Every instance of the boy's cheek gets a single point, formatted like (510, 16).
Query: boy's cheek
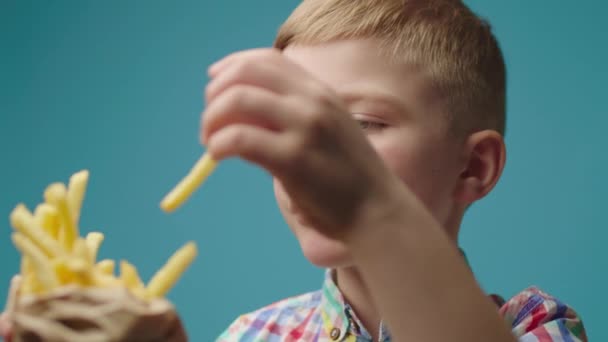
(417, 165)
(318, 249)
(322, 251)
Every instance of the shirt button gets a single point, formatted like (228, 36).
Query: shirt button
(334, 334)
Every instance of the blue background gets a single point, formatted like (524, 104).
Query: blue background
(115, 87)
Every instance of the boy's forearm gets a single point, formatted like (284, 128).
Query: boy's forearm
(421, 284)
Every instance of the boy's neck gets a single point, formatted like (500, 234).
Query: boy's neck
(350, 283)
(357, 296)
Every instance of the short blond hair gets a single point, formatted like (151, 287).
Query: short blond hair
(456, 47)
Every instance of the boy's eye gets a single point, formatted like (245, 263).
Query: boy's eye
(371, 125)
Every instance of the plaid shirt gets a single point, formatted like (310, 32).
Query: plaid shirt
(324, 316)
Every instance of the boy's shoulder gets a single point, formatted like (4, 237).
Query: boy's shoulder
(532, 314)
(294, 317)
(535, 313)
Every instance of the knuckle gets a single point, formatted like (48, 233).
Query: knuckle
(296, 151)
(326, 101)
(274, 53)
(238, 139)
(243, 67)
(268, 53)
(237, 96)
(207, 92)
(204, 118)
(318, 120)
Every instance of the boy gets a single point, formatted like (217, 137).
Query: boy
(381, 121)
(425, 80)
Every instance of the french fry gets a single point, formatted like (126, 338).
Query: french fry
(47, 217)
(81, 251)
(39, 260)
(184, 189)
(56, 194)
(130, 276)
(23, 221)
(82, 271)
(94, 240)
(80, 263)
(63, 272)
(106, 266)
(54, 254)
(168, 275)
(29, 280)
(77, 188)
(31, 285)
(104, 280)
(26, 266)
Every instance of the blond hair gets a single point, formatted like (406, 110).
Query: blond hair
(445, 37)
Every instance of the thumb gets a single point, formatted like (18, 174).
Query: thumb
(13, 292)
(5, 327)
(11, 305)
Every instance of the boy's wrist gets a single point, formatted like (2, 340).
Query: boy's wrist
(386, 214)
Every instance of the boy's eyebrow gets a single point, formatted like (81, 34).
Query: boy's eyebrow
(396, 105)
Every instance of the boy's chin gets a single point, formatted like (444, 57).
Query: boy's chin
(322, 251)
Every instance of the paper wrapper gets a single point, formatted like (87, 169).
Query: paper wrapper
(93, 315)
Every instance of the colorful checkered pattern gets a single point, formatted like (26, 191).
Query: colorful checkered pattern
(538, 317)
(324, 316)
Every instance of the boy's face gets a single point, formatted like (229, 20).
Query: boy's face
(402, 117)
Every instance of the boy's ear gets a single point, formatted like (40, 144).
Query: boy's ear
(484, 155)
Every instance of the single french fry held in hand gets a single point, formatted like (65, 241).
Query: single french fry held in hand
(54, 255)
(186, 187)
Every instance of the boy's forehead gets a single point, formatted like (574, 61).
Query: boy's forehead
(343, 52)
(358, 67)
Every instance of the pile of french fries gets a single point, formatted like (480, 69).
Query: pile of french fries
(55, 255)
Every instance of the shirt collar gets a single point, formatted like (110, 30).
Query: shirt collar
(333, 309)
(339, 319)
